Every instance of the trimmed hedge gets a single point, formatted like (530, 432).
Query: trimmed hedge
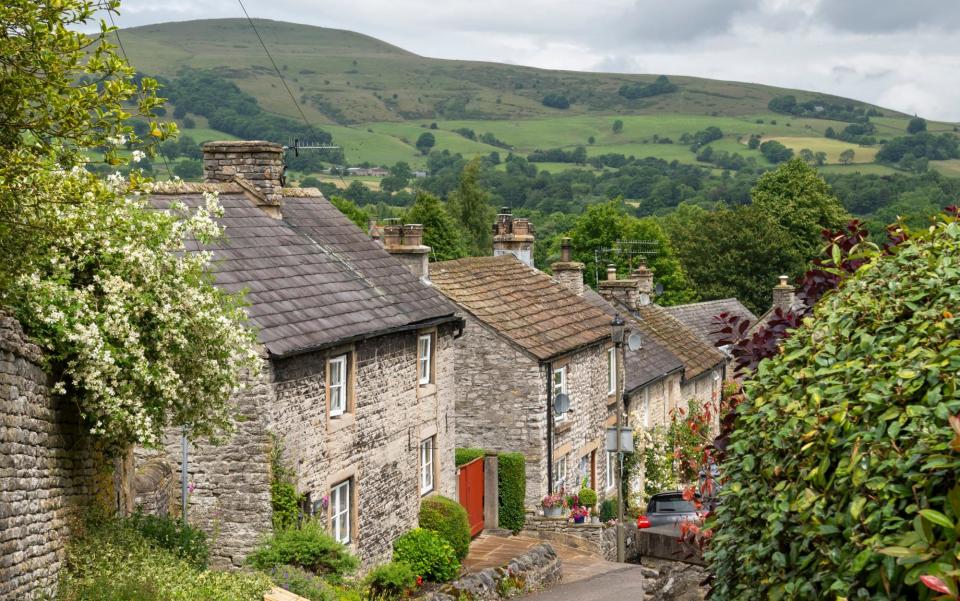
(843, 466)
(427, 554)
(465, 456)
(512, 480)
(449, 519)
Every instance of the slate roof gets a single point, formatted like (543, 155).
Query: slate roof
(651, 362)
(697, 353)
(699, 316)
(523, 304)
(313, 279)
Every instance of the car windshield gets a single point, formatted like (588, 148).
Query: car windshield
(672, 505)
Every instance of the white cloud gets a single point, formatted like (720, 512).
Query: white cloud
(883, 51)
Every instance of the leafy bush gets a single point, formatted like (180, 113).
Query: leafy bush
(427, 554)
(111, 560)
(186, 542)
(449, 519)
(512, 481)
(284, 499)
(307, 547)
(588, 497)
(465, 456)
(301, 582)
(390, 581)
(843, 463)
(608, 510)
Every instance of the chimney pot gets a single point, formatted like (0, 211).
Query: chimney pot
(392, 235)
(611, 272)
(783, 294)
(412, 234)
(565, 251)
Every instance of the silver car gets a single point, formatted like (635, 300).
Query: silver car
(668, 508)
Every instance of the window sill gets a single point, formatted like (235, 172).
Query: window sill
(339, 422)
(562, 427)
(612, 399)
(426, 389)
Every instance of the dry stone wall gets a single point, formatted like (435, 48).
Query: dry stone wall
(48, 470)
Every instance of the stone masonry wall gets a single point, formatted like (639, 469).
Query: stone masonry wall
(48, 470)
(377, 442)
(501, 402)
(592, 410)
(538, 568)
(705, 388)
(230, 480)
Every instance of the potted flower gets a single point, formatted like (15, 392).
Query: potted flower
(552, 505)
(579, 514)
(588, 498)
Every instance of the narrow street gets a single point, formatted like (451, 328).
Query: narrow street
(622, 584)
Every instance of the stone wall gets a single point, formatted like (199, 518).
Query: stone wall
(705, 387)
(230, 479)
(582, 434)
(597, 539)
(538, 568)
(501, 402)
(48, 470)
(376, 442)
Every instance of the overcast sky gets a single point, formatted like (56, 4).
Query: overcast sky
(901, 55)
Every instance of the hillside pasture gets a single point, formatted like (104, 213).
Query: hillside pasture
(833, 148)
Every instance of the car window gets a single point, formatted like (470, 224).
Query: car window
(672, 505)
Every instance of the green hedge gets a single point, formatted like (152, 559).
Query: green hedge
(449, 519)
(512, 480)
(427, 554)
(465, 456)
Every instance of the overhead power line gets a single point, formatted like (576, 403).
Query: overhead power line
(275, 67)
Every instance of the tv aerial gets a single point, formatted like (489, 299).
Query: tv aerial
(297, 146)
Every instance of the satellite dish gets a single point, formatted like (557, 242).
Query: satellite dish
(634, 342)
(561, 404)
(659, 289)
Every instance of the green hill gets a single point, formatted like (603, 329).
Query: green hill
(376, 99)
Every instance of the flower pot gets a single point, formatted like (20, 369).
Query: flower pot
(578, 519)
(552, 512)
(594, 519)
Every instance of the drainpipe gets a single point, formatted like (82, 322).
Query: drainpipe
(549, 427)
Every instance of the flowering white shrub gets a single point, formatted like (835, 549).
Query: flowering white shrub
(134, 330)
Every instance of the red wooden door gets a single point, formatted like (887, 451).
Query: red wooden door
(471, 493)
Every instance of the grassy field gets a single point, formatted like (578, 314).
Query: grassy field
(950, 168)
(833, 148)
(349, 78)
(864, 168)
(377, 99)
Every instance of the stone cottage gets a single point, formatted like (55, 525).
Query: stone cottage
(699, 317)
(356, 393)
(527, 340)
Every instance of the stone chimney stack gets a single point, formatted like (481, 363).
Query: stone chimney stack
(256, 165)
(625, 291)
(783, 294)
(567, 271)
(513, 236)
(644, 277)
(405, 243)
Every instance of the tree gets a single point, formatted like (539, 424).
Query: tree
(393, 183)
(440, 232)
(401, 169)
(736, 252)
(775, 152)
(807, 156)
(754, 142)
(591, 140)
(602, 225)
(188, 169)
(916, 125)
(795, 196)
(820, 158)
(425, 142)
(617, 126)
(136, 336)
(470, 208)
(557, 101)
(360, 217)
(846, 157)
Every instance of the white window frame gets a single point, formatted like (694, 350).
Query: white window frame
(610, 479)
(558, 388)
(612, 370)
(425, 359)
(340, 507)
(559, 474)
(338, 391)
(427, 450)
